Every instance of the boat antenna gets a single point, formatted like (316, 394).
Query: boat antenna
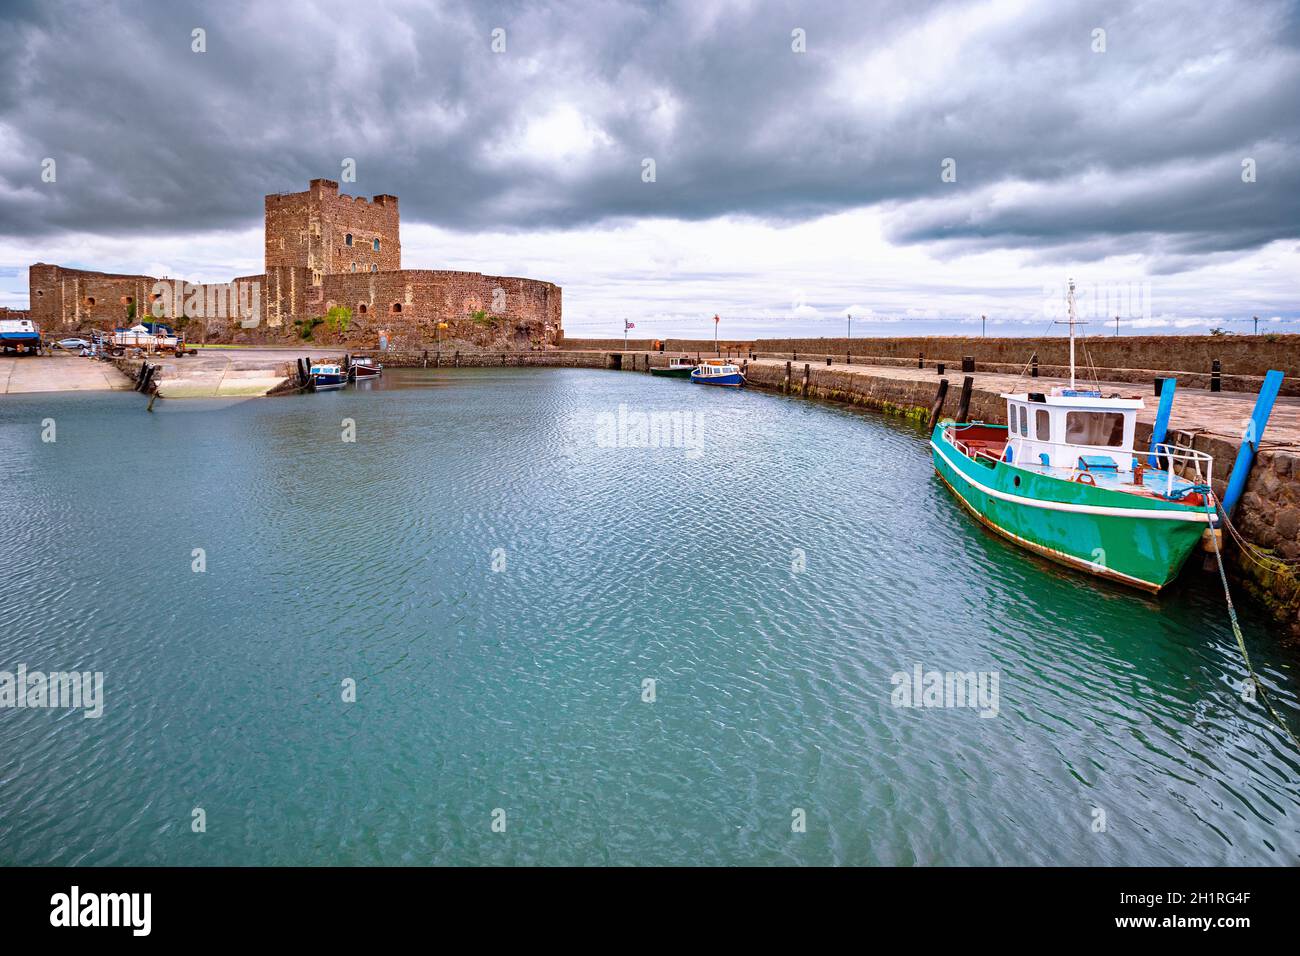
(1072, 321)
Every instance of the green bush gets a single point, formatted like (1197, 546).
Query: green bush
(341, 317)
(307, 326)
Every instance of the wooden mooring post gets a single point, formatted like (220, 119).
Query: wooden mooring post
(146, 375)
(939, 396)
(807, 371)
(963, 406)
(785, 386)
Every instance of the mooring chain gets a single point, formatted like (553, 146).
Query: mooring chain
(1236, 629)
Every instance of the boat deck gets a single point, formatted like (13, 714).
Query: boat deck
(989, 442)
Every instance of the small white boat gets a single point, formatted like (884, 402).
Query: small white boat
(677, 368)
(327, 376)
(20, 335)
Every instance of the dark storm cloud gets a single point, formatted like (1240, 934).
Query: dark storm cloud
(1134, 149)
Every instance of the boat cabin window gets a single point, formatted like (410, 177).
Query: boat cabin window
(1024, 421)
(1104, 429)
(1042, 425)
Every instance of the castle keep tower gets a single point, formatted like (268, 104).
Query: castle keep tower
(328, 234)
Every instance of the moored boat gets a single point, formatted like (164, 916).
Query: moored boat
(327, 376)
(365, 368)
(1062, 479)
(677, 368)
(718, 372)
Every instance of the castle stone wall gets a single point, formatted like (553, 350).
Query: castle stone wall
(321, 253)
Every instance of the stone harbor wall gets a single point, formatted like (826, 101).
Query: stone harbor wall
(1243, 359)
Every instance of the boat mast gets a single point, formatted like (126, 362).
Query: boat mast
(1071, 300)
(1072, 322)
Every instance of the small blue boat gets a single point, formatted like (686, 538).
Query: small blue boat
(716, 372)
(327, 376)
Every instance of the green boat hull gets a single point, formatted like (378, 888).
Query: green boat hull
(671, 372)
(1135, 540)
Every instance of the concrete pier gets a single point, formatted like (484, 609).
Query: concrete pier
(226, 373)
(58, 372)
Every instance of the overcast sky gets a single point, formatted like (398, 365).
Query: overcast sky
(789, 187)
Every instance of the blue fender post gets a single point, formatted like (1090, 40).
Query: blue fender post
(1251, 439)
(1160, 430)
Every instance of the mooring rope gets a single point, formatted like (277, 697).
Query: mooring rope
(1030, 361)
(1236, 628)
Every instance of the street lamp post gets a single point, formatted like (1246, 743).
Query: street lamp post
(983, 325)
(850, 315)
(1256, 324)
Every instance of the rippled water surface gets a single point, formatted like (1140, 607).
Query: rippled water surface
(521, 688)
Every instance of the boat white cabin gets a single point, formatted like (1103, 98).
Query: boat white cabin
(1071, 428)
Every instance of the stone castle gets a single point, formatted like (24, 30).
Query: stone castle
(323, 250)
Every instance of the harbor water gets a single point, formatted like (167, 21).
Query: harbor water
(590, 618)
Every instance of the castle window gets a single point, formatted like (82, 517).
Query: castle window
(347, 240)
(374, 268)
(40, 292)
(397, 307)
(376, 245)
(315, 278)
(354, 267)
(362, 308)
(90, 300)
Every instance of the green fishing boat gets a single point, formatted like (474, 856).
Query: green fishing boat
(1062, 480)
(677, 368)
